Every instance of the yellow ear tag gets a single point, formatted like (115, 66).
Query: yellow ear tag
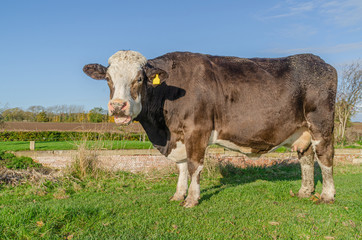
(156, 80)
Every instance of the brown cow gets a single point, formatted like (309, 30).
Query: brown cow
(187, 101)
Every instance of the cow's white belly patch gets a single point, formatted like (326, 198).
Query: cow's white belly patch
(300, 140)
(227, 144)
(179, 153)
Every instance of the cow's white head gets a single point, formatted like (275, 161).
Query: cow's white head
(127, 72)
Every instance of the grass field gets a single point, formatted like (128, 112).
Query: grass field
(48, 146)
(110, 145)
(356, 145)
(252, 203)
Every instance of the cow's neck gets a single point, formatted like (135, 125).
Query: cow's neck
(153, 121)
(158, 136)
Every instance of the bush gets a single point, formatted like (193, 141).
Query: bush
(11, 161)
(4, 155)
(2, 123)
(22, 163)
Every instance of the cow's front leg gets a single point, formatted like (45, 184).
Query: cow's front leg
(182, 182)
(196, 145)
(193, 195)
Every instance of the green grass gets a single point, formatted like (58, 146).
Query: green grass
(102, 144)
(10, 161)
(251, 203)
(355, 145)
(48, 146)
(282, 150)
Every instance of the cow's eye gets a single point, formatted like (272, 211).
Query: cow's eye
(139, 80)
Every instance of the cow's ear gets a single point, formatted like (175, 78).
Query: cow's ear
(155, 76)
(95, 71)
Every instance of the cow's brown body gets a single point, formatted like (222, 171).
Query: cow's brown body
(250, 105)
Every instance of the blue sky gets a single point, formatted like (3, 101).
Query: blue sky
(45, 44)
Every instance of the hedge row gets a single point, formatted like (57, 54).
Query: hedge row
(51, 136)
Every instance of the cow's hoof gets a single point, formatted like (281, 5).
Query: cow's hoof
(305, 193)
(189, 203)
(177, 197)
(325, 198)
(302, 194)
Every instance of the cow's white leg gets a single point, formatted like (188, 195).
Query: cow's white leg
(196, 144)
(181, 188)
(324, 153)
(307, 168)
(328, 190)
(179, 155)
(193, 195)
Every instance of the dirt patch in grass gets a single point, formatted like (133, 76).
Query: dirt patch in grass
(17, 177)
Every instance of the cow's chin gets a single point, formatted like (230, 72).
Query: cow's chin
(123, 120)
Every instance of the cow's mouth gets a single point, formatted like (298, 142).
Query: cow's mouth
(122, 120)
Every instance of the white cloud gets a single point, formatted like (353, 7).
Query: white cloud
(297, 31)
(341, 13)
(288, 9)
(345, 47)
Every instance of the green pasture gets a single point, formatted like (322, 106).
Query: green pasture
(105, 144)
(73, 145)
(251, 203)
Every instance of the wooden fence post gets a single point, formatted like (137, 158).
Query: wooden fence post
(32, 145)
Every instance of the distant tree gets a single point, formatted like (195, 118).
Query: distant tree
(66, 113)
(2, 123)
(42, 117)
(36, 109)
(32, 111)
(14, 114)
(1, 118)
(97, 115)
(349, 96)
(82, 117)
(58, 113)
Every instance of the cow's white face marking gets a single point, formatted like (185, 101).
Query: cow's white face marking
(179, 153)
(124, 68)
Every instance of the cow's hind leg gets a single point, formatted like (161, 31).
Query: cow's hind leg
(306, 160)
(193, 195)
(322, 145)
(195, 146)
(324, 153)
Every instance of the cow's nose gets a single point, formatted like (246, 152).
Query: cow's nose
(117, 107)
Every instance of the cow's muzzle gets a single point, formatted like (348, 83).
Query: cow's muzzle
(119, 109)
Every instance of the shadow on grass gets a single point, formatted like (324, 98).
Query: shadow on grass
(233, 176)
